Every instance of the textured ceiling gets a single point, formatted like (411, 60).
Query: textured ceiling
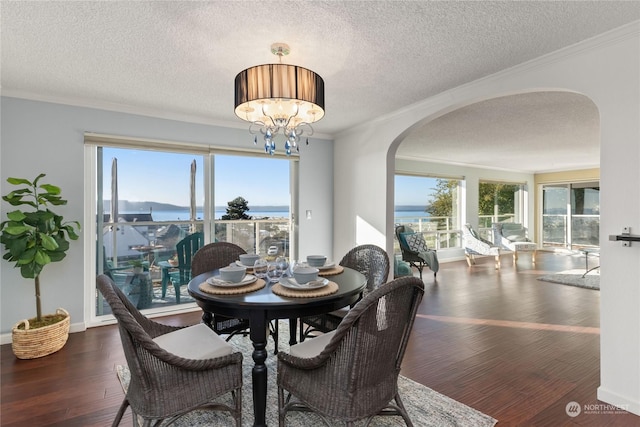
(179, 60)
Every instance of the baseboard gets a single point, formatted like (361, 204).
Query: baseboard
(74, 327)
(619, 401)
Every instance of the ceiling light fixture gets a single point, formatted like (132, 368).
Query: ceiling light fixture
(279, 97)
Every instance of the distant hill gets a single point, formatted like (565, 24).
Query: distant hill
(410, 208)
(127, 206)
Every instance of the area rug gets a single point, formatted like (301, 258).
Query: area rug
(574, 278)
(425, 406)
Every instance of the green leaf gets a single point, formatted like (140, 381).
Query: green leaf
(51, 189)
(27, 257)
(30, 271)
(48, 242)
(17, 229)
(18, 181)
(16, 216)
(57, 256)
(42, 258)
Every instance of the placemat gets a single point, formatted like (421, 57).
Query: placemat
(331, 271)
(331, 288)
(215, 290)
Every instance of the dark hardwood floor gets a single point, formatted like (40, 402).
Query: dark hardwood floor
(502, 342)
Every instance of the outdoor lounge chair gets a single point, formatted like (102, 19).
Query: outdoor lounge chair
(174, 370)
(351, 374)
(476, 245)
(415, 251)
(185, 249)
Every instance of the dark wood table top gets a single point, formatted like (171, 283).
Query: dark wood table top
(350, 284)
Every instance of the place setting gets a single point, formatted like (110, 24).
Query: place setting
(232, 280)
(247, 260)
(325, 268)
(304, 280)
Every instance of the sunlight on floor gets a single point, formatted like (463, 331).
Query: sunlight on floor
(512, 324)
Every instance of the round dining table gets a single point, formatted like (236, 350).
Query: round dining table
(261, 306)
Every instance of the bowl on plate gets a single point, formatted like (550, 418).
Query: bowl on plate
(305, 274)
(248, 259)
(316, 260)
(232, 274)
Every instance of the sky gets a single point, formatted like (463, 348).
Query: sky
(164, 177)
(413, 190)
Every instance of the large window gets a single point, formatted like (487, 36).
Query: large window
(429, 205)
(571, 215)
(499, 202)
(148, 203)
(262, 185)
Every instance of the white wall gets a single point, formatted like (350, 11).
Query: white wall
(605, 69)
(39, 137)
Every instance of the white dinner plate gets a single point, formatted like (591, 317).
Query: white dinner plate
(290, 282)
(240, 264)
(216, 281)
(327, 266)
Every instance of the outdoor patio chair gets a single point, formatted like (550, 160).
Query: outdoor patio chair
(185, 249)
(174, 369)
(212, 257)
(352, 373)
(370, 260)
(476, 245)
(415, 250)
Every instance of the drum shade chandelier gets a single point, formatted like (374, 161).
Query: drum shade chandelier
(279, 97)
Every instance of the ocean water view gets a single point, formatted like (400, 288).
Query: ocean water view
(283, 212)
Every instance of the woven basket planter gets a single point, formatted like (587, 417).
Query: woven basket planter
(32, 343)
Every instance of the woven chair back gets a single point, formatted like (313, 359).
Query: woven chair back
(214, 256)
(356, 374)
(370, 260)
(164, 385)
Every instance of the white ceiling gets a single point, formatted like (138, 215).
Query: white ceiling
(179, 60)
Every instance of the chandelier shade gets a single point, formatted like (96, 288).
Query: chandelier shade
(275, 97)
(265, 93)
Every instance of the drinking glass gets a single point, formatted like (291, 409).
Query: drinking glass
(282, 263)
(274, 272)
(260, 268)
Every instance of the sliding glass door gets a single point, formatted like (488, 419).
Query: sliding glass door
(150, 204)
(571, 215)
(253, 203)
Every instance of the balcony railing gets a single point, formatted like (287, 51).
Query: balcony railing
(439, 232)
(156, 240)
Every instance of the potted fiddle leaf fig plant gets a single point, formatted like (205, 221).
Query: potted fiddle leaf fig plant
(34, 236)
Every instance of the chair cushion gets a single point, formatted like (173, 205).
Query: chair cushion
(311, 347)
(415, 242)
(194, 342)
(401, 239)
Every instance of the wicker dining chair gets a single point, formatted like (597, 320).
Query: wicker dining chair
(174, 370)
(212, 257)
(351, 374)
(370, 260)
